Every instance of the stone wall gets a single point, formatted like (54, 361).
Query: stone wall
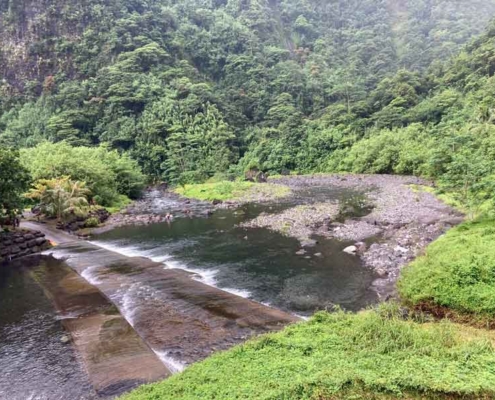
(20, 243)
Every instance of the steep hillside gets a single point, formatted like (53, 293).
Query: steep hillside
(188, 88)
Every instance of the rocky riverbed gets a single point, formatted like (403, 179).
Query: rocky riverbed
(402, 222)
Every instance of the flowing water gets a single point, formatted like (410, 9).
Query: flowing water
(257, 263)
(134, 320)
(35, 360)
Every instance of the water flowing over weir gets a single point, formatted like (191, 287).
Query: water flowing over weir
(181, 319)
(143, 302)
(41, 296)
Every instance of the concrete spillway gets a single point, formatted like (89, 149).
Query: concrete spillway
(114, 356)
(181, 319)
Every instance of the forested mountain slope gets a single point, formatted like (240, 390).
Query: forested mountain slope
(190, 88)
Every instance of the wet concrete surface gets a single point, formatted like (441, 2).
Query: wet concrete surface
(183, 320)
(114, 356)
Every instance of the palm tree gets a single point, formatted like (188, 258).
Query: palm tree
(61, 197)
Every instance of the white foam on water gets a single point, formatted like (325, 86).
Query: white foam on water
(205, 276)
(127, 297)
(238, 292)
(129, 251)
(161, 259)
(171, 363)
(90, 276)
(56, 253)
(303, 317)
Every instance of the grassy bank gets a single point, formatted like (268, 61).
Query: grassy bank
(370, 355)
(233, 191)
(457, 272)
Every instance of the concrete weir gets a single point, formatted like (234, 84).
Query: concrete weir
(181, 319)
(115, 357)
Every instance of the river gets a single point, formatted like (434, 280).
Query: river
(179, 321)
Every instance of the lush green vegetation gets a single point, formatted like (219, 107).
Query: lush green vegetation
(107, 174)
(371, 355)
(61, 198)
(457, 273)
(236, 191)
(106, 94)
(14, 181)
(191, 88)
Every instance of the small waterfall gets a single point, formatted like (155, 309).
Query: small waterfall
(206, 276)
(175, 309)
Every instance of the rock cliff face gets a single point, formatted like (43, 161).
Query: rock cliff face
(20, 243)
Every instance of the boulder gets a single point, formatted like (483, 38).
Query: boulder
(351, 250)
(309, 243)
(40, 241)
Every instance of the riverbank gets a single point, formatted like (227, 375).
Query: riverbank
(378, 355)
(456, 276)
(385, 220)
(390, 352)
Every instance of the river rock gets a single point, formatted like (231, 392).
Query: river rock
(351, 250)
(381, 272)
(301, 252)
(309, 243)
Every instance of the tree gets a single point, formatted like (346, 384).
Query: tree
(14, 181)
(61, 197)
(198, 146)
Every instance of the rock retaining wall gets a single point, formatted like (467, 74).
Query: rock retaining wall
(20, 243)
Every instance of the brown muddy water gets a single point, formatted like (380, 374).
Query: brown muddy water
(95, 319)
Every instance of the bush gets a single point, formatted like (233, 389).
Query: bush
(91, 222)
(106, 173)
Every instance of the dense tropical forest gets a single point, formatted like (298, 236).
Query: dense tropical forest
(100, 98)
(193, 89)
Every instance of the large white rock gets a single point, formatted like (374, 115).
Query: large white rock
(351, 250)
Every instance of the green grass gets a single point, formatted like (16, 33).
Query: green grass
(369, 355)
(119, 204)
(235, 191)
(446, 197)
(457, 272)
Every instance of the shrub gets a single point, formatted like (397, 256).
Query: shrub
(91, 222)
(106, 173)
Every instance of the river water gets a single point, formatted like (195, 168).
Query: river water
(255, 263)
(38, 362)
